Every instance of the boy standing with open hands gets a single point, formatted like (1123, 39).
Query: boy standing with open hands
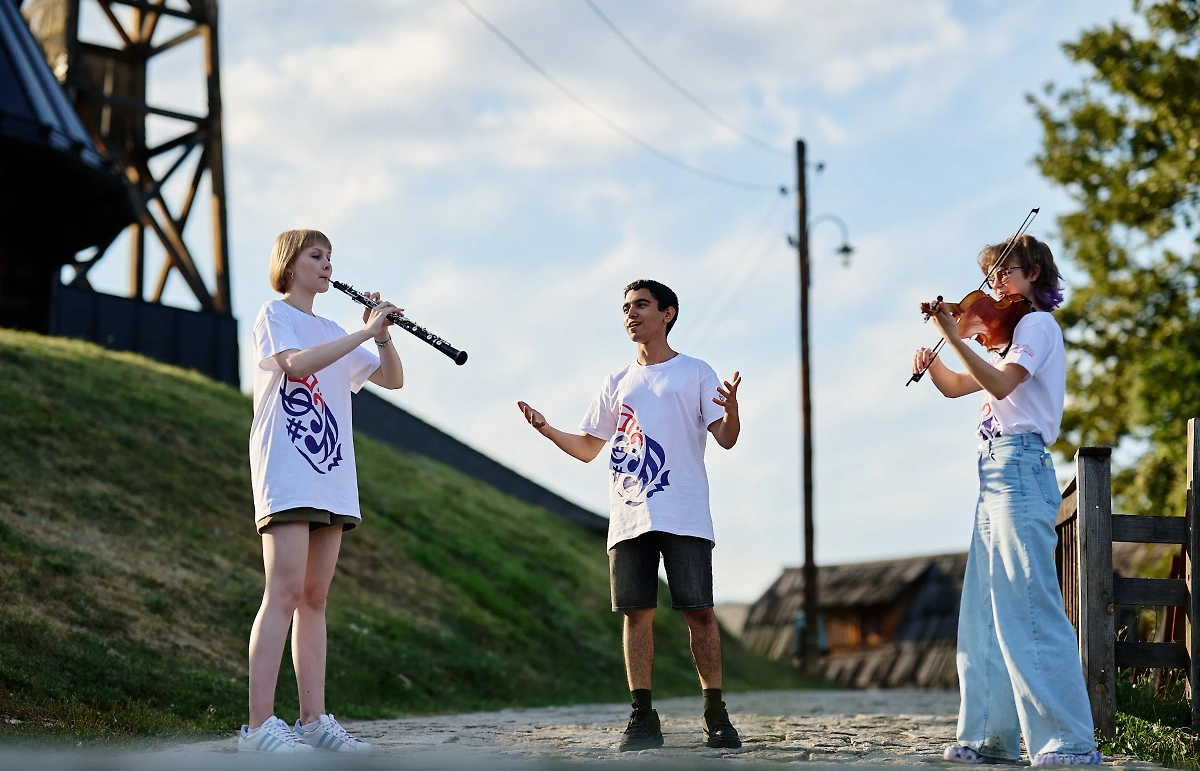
(657, 412)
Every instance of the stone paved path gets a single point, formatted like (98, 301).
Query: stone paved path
(893, 728)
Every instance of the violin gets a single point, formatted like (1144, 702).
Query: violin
(984, 319)
(981, 317)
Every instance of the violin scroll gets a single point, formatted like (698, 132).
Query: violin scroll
(928, 309)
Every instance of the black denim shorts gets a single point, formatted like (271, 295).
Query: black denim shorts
(633, 571)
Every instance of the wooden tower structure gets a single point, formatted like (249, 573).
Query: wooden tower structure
(107, 86)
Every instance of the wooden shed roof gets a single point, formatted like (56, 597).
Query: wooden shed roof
(854, 585)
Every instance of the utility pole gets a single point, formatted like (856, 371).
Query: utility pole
(810, 652)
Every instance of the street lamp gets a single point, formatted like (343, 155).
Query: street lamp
(801, 244)
(845, 250)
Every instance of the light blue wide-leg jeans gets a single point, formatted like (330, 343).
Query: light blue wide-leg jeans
(1018, 659)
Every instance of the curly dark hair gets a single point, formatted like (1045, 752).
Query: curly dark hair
(660, 292)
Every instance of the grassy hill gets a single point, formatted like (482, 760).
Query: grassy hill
(130, 570)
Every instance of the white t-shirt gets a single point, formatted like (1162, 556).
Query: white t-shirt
(657, 417)
(302, 437)
(1036, 405)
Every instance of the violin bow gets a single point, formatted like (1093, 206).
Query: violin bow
(1008, 247)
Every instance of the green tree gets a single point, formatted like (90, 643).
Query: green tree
(1125, 144)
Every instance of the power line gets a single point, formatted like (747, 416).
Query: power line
(719, 298)
(732, 291)
(630, 136)
(688, 95)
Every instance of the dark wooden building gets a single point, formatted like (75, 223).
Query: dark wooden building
(891, 623)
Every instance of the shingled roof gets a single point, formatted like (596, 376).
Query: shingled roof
(854, 585)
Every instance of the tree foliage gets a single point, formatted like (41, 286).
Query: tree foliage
(1125, 145)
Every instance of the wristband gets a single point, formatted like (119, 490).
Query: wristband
(384, 343)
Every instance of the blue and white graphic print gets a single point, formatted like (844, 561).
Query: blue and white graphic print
(310, 423)
(639, 464)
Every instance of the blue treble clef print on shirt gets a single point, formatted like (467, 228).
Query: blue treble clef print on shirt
(310, 424)
(638, 458)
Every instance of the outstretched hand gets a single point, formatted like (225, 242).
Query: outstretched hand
(534, 417)
(726, 397)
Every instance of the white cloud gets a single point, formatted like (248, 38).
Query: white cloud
(502, 216)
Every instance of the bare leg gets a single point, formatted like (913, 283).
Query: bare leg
(639, 647)
(285, 554)
(308, 628)
(705, 637)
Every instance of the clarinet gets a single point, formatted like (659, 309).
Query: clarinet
(402, 321)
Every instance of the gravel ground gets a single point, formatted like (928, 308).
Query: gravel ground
(871, 728)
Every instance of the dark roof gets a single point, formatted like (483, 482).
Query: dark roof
(854, 585)
(60, 193)
(30, 94)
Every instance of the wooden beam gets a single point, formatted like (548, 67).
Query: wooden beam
(178, 252)
(165, 10)
(1151, 655)
(1069, 505)
(1096, 623)
(171, 144)
(1150, 529)
(137, 260)
(193, 189)
(150, 22)
(154, 189)
(116, 23)
(1150, 591)
(216, 159)
(160, 284)
(133, 105)
(183, 37)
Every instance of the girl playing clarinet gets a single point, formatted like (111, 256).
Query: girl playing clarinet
(305, 486)
(1018, 663)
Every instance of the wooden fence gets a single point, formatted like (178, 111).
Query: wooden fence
(1087, 529)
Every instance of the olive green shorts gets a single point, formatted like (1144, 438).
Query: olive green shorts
(316, 519)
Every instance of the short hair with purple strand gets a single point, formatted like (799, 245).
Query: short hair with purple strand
(1029, 253)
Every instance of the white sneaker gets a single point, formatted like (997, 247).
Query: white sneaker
(272, 736)
(328, 735)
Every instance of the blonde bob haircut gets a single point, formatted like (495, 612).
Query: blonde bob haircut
(288, 244)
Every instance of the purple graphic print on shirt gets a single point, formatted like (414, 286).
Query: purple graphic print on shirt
(989, 427)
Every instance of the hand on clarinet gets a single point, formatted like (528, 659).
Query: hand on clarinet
(376, 319)
(534, 417)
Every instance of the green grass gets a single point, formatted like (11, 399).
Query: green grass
(1152, 725)
(131, 571)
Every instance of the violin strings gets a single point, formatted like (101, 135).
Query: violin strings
(1008, 247)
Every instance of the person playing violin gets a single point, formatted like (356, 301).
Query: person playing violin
(1018, 662)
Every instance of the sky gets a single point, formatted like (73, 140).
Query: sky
(455, 180)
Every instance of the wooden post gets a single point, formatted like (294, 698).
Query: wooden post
(1190, 571)
(222, 301)
(811, 588)
(1097, 633)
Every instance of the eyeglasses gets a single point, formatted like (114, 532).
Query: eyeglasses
(1001, 276)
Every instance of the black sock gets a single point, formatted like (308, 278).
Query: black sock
(640, 698)
(712, 699)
